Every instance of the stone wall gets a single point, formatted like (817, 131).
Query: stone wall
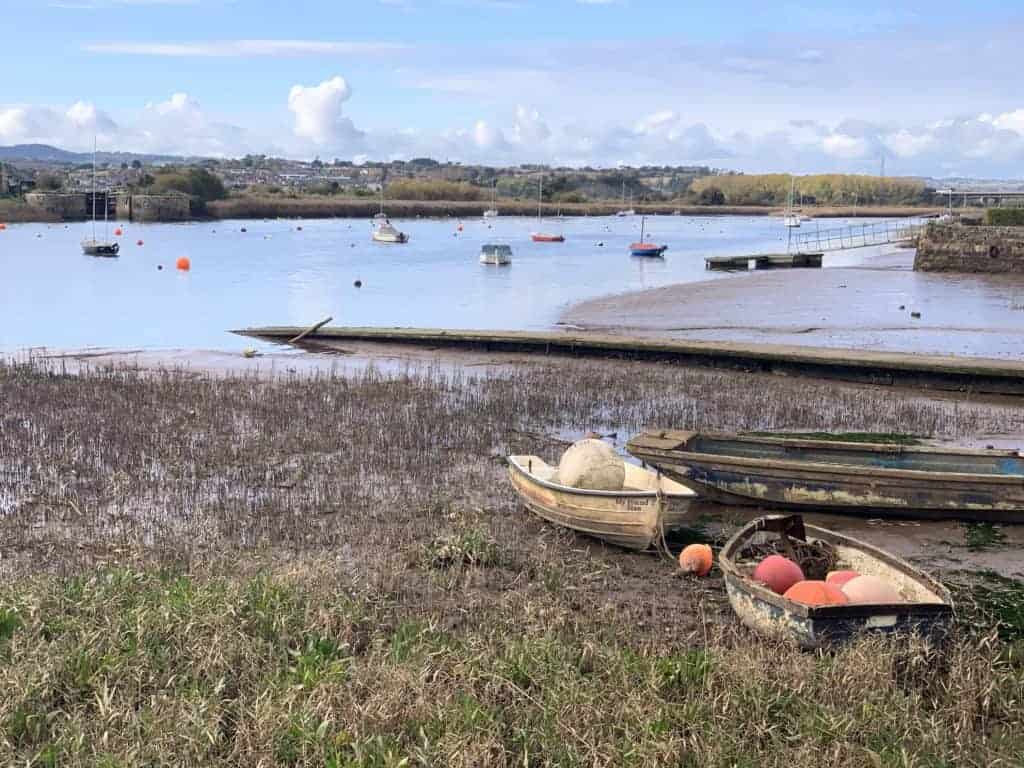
(154, 207)
(958, 248)
(63, 205)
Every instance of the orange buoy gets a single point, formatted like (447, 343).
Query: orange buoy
(816, 593)
(839, 578)
(183, 263)
(2, 226)
(118, 232)
(696, 559)
(867, 590)
(778, 573)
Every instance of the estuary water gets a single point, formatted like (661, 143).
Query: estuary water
(288, 272)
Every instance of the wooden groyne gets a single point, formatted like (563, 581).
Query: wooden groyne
(956, 374)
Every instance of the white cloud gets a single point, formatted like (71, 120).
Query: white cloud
(529, 127)
(844, 147)
(248, 48)
(318, 116)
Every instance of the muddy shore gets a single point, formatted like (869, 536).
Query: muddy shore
(866, 307)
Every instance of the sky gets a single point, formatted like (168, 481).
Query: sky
(933, 88)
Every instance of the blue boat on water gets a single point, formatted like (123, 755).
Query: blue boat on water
(642, 248)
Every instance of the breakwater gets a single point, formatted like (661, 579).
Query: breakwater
(978, 375)
(970, 249)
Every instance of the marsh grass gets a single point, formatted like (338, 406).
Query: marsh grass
(330, 571)
(288, 667)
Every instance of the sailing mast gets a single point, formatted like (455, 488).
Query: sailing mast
(94, 187)
(540, 198)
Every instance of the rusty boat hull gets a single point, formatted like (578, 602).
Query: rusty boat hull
(637, 517)
(867, 479)
(927, 612)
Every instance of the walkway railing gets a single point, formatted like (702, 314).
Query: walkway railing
(857, 235)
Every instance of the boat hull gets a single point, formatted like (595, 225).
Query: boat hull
(872, 491)
(538, 237)
(389, 239)
(108, 250)
(631, 519)
(647, 250)
(927, 613)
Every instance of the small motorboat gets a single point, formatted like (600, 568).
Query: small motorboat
(646, 249)
(637, 517)
(926, 608)
(497, 255)
(870, 479)
(386, 232)
(541, 237)
(490, 213)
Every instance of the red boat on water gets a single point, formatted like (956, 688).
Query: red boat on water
(543, 237)
(646, 249)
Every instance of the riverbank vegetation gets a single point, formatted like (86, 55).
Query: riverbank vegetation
(239, 570)
(827, 189)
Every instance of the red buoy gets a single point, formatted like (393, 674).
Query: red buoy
(118, 232)
(183, 263)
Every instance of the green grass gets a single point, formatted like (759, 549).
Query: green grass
(982, 536)
(990, 600)
(127, 667)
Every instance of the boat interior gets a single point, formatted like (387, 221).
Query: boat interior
(844, 454)
(637, 479)
(911, 589)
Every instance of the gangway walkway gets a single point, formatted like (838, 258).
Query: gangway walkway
(857, 235)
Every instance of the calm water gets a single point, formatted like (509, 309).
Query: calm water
(275, 274)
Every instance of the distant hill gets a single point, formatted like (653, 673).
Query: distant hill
(45, 154)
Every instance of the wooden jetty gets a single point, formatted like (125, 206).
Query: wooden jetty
(764, 261)
(957, 374)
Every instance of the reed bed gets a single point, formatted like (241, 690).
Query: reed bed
(330, 571)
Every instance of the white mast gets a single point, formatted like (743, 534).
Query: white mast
(540, 197)
(94, 187)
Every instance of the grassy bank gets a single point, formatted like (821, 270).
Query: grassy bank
(331, 571)
(288, 667)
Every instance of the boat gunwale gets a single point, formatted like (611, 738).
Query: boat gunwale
(689, 494)
(731, 571)
(683, 455)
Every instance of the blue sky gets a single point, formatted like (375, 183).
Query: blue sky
(799, 86)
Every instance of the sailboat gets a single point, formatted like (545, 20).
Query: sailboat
(491, 212)
(539, 236)
(792, 218)
(383, 230)
(646, 249)
(91, 246)
(626, 211)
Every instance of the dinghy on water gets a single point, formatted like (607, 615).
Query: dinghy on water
(871, 479)
(636, 517)
(925, 607)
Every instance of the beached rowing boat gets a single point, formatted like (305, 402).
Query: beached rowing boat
(926, 610)
(873, 479)
(636, 517)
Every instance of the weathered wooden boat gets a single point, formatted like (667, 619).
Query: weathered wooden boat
(637, 517)
(871, 479)
(927, 612)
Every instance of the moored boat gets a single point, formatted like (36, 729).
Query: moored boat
(495, 254)
(926, 607)
(540, 236)
(93, 246)
(386, 232)
(872, 479)
(637, 517)
(642, 248)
